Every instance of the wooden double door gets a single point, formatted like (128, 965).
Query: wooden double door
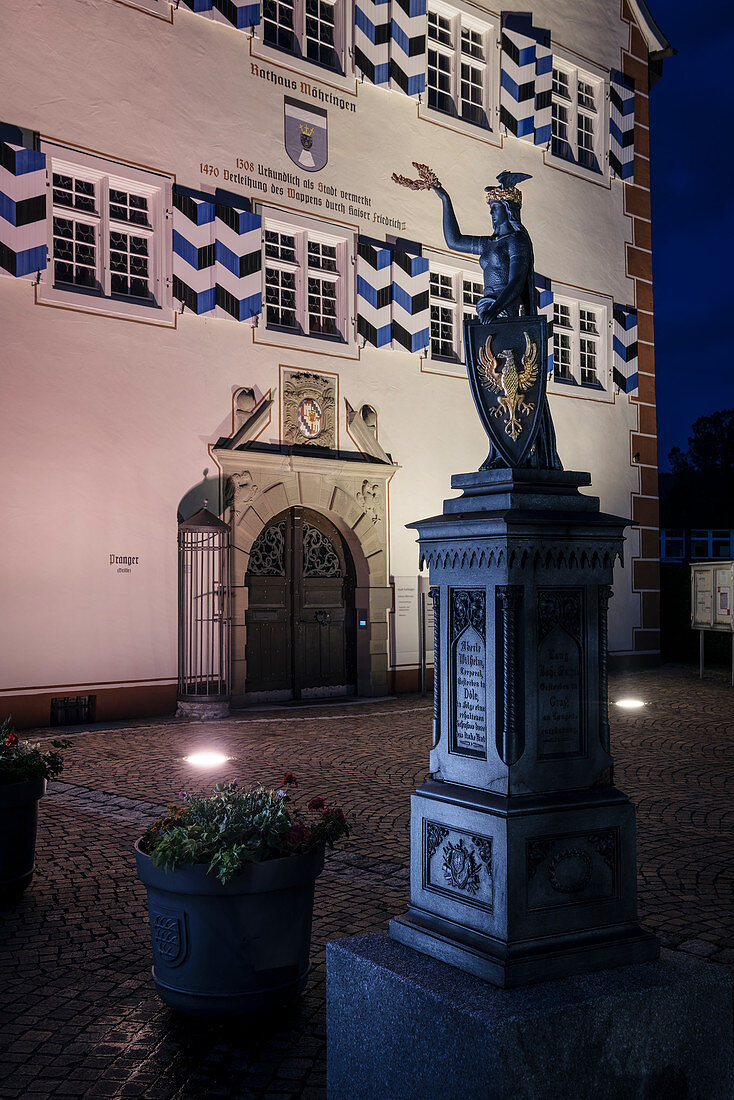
(300, 617)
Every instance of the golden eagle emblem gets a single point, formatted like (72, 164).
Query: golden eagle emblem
(509, 382)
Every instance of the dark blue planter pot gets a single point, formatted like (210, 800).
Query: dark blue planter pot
(227, 950)
(18, 821)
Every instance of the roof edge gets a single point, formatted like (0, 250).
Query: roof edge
(657, 44)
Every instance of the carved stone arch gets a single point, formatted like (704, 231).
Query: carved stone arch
(351, 495)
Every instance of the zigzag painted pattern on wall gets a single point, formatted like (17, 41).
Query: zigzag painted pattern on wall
(22, 204)
(372, 39)
(624, 346)
(525, 78)
(217, 255)
(392, 294)
(390, 43)
(621, 124)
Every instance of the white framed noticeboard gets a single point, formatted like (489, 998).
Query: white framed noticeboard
(712, 592)
(712, 585)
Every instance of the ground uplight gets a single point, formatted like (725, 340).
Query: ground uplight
(629, 704)
(206, 759)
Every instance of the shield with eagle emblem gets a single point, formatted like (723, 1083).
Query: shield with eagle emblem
(506, 363)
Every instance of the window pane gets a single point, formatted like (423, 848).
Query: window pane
(439, 82)
(562, 355)
(586, 95)
(129, 265)
(128, 208)
(560, 84)
(322, 256)
(322, 307)
(77, 193)
(320, 33)
(561, 315)
(587, 359)
(74, 253)
(439, 29)
(280, 298)
(280, 246)
(278, 24)
(472, 94)
(472, 44)
(587, 321)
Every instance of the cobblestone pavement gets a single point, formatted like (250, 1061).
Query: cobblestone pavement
(80, 1017)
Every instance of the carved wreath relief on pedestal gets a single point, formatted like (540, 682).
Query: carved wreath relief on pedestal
(581, 867)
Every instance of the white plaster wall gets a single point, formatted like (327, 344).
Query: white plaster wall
(105, 423)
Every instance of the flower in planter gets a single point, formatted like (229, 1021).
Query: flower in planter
(22, 760)
(233, 827)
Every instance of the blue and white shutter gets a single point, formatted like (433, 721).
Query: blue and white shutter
(23, 234)
(544, 302)
(374, 292)
(526, 78)
(234, 13)
(217, 254)
(624, 345)
(238, 258)
(621, 124)
(408, 33)
(411, 324)
(372, 26)
(193, 249)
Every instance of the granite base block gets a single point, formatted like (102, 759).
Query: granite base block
(404, 1027)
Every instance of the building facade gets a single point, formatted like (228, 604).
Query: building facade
(214, 290)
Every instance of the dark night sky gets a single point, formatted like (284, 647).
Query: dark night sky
(692, 217)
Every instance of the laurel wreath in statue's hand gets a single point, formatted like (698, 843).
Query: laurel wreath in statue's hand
(427, 180)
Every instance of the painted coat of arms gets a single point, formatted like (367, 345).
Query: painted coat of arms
(506, 366)
(305, 134)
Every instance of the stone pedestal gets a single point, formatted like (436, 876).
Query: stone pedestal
(403, 1027)
(523, 863)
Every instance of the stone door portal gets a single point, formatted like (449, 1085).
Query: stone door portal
(300, 616)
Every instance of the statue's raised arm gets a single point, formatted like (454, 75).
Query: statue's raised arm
(429, 181)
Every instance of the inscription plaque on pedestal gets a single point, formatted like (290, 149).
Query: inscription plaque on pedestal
(560, 674)
(469, 671)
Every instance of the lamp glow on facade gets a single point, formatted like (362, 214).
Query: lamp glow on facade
(206, 759)
(630, 704)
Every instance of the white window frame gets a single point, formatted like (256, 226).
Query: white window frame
(602, 389)
(599, 115)
(458, 275)
(305, 229)
(462, 15)
(107, 175)
(274, 54)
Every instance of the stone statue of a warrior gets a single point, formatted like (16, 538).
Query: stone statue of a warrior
(506, 259)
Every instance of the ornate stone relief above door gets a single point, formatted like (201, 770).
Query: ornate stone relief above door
(309, 409)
